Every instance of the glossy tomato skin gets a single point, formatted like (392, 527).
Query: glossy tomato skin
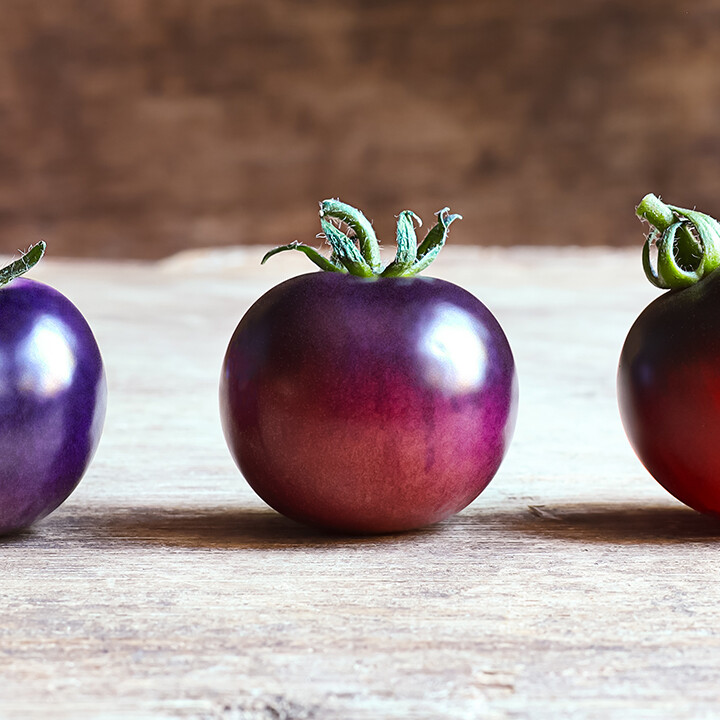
(52, 401)
(368, 405)
(669, 392)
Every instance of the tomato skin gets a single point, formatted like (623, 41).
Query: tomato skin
(669, 392)
(368, 405)
(52, 401)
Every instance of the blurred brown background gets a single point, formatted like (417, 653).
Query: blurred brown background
(137, 128)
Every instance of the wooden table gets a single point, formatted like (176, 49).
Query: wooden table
(574, 587)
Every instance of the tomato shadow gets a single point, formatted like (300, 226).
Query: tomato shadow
(621, 523)
(17, 537)
(222, 528)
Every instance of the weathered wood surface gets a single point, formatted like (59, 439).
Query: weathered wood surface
(163, 588)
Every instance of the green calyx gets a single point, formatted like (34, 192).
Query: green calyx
(357, 251)
(20, 266)
(687, 243)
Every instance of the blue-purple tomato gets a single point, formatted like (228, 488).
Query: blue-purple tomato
(52, 401)
(368, 404)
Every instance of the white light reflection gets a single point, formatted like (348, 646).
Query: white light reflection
(46, 359)
(456, 360)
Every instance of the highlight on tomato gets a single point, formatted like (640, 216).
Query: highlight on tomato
(363, 398)
(669, 369)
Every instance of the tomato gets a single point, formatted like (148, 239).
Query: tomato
(368, 402)
(669, 370)
(52, 396)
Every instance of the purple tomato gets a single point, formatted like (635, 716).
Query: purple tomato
(363, 399)
(52, 396)
(669, 370)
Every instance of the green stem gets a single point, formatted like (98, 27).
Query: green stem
(687, 242)
(20, 266)
(687, 250)
(363, 259)
(360, 225)
(346, 251)
(328, 265)
(434, 241)
(656, 212)
(406, 245)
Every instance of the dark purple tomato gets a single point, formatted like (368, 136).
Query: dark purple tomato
(52, 401)
(368, 404)
(669, 370)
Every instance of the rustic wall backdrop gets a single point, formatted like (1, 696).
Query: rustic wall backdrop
(137, 128)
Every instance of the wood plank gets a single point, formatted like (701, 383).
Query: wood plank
(163, 588)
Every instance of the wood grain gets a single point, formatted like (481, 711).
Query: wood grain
(163, 588)
(136, 128)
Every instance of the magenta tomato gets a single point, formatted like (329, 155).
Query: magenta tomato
(669, 370)
(367, 400)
